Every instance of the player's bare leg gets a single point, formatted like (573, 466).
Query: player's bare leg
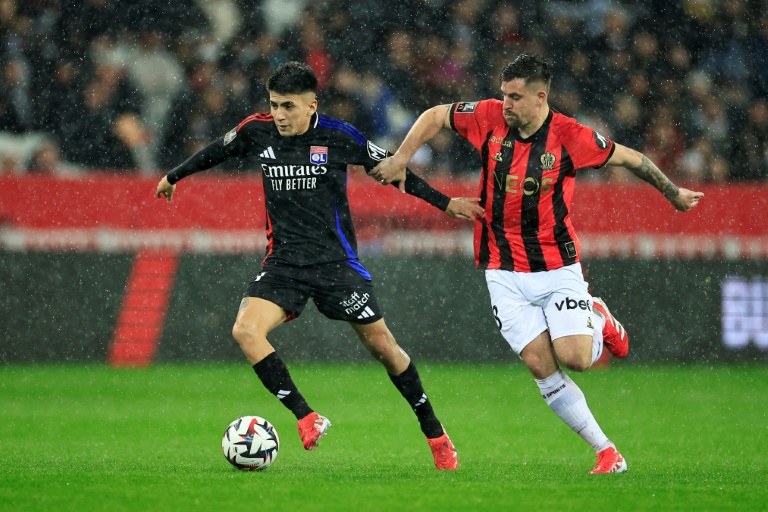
(575, 352)
(539, 357)
(564, 397)
(378, 340)
(255, 319)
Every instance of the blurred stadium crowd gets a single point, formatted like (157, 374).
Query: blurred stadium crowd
(138, 85)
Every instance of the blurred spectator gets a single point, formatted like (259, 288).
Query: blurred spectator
(627, 120)
(724, 58)
(664, 142)
(343, 45)
(616, 34)
(579, 75)
(280, 15)
(17, 150)
(107, 132)
(719, 169)
(154, 72)
(202, 111)
(312, 50)
(646, 52)
(225, 18)
(566, 36)
(59, 97)
(710, 119)
(505, 28)
(749, 156)
(47, 159)
(697, 161)
(434, 76)
(16, 108)
(399, 66)
(616, 72)
(465, 21)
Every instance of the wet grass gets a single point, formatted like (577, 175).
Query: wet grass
(94, 438)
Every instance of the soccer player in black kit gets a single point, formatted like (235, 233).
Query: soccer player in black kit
(312, 249)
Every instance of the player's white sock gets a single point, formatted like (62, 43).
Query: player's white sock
(566, 400)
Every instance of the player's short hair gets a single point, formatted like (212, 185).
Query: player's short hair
(531, 68)
(292, 78)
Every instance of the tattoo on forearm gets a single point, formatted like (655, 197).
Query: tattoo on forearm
(243, 303)
(648, 172)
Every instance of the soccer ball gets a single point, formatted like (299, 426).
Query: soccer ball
(250, 443)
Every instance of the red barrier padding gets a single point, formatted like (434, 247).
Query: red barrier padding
(140, 321)
(224, 202)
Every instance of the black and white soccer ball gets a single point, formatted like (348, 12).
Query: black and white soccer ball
(250, 443)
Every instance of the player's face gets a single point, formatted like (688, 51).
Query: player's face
(522, 103)
(292, 112)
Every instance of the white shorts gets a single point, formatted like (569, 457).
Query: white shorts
(525, 304)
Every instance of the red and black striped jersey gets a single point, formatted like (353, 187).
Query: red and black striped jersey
(527, 185)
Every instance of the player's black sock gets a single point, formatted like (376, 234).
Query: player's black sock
(275, 377)
(409, 385)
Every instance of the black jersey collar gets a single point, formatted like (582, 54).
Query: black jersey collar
(535, 134)
(312, 124)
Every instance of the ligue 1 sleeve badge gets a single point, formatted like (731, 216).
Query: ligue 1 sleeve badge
(230, 136)
(318, 155)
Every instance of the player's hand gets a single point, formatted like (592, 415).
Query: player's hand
(686, 199)
(465, 208)
(165, 189)
(390, 169)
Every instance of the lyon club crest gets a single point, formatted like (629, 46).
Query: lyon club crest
(318, 155)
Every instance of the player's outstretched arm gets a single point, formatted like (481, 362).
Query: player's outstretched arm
(639, 164)
(211, 155)
(428, 124)
(165, 189)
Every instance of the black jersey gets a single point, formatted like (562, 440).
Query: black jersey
(305, 185)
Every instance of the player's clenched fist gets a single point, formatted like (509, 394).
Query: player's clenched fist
(686, 199)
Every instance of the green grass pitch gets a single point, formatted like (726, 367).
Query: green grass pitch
(94, 438)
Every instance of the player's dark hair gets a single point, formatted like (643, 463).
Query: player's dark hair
(531, 68)
(292, 78)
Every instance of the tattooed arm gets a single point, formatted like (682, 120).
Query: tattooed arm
(639, 164)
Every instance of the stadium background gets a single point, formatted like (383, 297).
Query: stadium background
(99, 98)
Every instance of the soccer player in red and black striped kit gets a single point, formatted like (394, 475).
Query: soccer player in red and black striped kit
(312, 250)
(526, 243)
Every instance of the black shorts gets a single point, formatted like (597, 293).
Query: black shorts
(339, 290)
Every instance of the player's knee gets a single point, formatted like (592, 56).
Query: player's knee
(540, 363)
(574, 352)
(245, 334)
(239, 333)
(382, 346)
(577, 362)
